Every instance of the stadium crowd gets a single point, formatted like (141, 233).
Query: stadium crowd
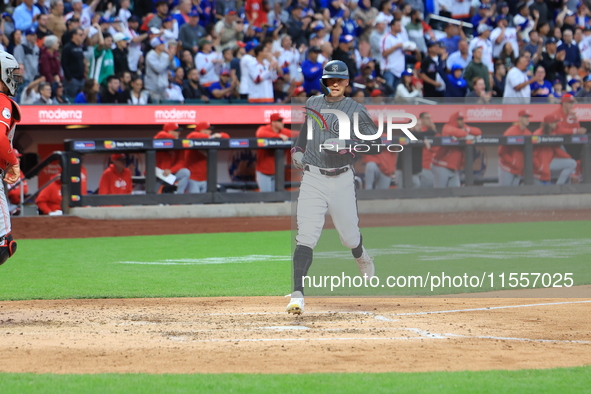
(138, 52)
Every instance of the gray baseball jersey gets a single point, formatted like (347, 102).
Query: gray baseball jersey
(313, 155)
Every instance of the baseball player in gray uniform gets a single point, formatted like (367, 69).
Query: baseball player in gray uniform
(328, 180)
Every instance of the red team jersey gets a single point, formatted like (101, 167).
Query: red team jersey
(50, 198)
(266, 157)
(115, 182)
(10, 115)
(172, 160)
(195, 160)
(256, 6)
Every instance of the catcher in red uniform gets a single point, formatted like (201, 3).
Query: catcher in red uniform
(10, 79)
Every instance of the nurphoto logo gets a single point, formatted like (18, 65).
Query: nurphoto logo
(344, 128)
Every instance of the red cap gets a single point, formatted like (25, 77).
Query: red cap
(551, 118)
(376, 93)
(225, 72)
(170, 126)
(276, 116)
(17, 153)
(567, 98)
(118, 156)
(524, 112)
(298, 90)
(202, 126)
(232, 12)
(240, 44)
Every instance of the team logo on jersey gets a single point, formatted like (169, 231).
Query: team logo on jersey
(6, 113)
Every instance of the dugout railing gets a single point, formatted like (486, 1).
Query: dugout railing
(71, 174)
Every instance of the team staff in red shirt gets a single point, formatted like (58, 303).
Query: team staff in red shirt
(196, 161)
(49, 200)
(116, 179)
(266, 157)
(449, 160)
(551, 158)
(568, 123)
(173, 161)
(511, 156)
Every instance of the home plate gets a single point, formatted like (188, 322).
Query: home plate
(283, 328)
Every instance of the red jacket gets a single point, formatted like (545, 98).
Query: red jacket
(453, 157)
(511, 157)
(172, 160)
(50, 198)
(543, 155)
(14, 192)
(195, 160)
(266, 157)
(569, 123)
(49, 65)
(429, 154)
(115, 182)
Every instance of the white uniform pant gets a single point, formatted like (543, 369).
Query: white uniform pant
(266, 182)
(375, 178)
(427, 179)
(320, 194)
(197, 186)
(444, 177)
(561, 168)
(5, 227)
(508, 178)
(416, 180)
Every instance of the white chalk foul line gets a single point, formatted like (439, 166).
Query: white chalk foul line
(488, 308)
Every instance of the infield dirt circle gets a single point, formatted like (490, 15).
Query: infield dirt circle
(255, 335)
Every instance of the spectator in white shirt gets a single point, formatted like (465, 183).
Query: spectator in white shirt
(173, 91)
(503, 34)
(206, 61)
(393, 60)
(261, 73)
(406, 91)
(517, 84)
(170, 29)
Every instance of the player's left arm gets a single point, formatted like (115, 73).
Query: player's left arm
(367, 127)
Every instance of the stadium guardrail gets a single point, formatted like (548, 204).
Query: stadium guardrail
(76, 148)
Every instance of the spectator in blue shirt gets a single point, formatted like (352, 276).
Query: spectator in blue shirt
(483, 13)
(456, 85)
(89, 93)
(350, 25)
(222, 89)
(573, 54)
(312, 71)
(541, 87)
(453, 36)
(24, 15)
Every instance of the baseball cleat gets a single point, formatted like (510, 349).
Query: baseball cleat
(365, 264)
(296, 303)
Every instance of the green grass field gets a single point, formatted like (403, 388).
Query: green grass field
(567, 380)
(259, 264)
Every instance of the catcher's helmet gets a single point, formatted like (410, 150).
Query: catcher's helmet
(10, 72)
(333, 69)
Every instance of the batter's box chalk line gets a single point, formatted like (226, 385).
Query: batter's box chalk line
(420, 333)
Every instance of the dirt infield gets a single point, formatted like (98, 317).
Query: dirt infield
(253, 335)
(73, 227)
